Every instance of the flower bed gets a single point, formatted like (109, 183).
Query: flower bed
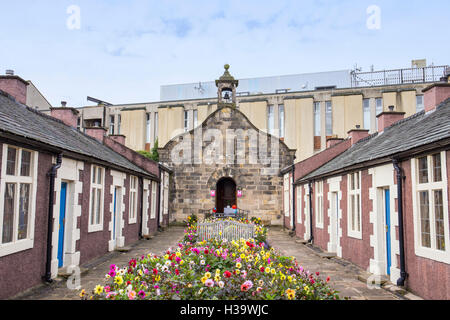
(214, 269)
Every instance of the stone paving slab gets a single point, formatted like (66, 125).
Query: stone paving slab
(99, 267)
(343, 274)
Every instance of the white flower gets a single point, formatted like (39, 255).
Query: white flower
(221, 284)
(202, 262)
(168, 263)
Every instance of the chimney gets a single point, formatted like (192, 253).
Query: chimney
(14, 86)
(333, 141)
(388, 118)
(436, 94)
(358, 134)
(67, 115)
(96, 132)
(119, 138)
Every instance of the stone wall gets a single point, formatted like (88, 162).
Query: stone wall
(243, 159)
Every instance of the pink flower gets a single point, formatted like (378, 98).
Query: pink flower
(107, 289)
(131, 295)
(141, 294)
(209, 283)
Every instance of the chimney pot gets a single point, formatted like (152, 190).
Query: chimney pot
(63, 103)
(358, 126)
(9, 72)
(391, 108)
(358, 134)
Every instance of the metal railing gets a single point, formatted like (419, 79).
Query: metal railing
(225, 229)
(210, 214)
(398, 76)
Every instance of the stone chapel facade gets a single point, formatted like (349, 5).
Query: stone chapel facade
(227, 161)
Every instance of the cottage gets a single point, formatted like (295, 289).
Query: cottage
(382, 200)
(68, 197)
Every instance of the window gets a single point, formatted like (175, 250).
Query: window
(419, 104)
(18, 185)
(354, 205)
(281, 120)
(378, 108)
(432, 202)
(132, 217)
(148, 132)
(153, 199)
(156, 126)
(79, 124)
(186, 121)
(111, 125)
(96, 205)
(317, 119)
(366, 113)
(328, 118)
(270, 119)
(319, 204)
(119, 123)
(195, 118)
(299, 204)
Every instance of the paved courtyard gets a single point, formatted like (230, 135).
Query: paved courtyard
(344, 275)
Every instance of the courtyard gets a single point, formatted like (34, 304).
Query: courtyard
(345, 277)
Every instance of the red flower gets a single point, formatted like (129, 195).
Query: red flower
(244, 287)
(155, 271)
(177, 272)
(227, 274)
(206, 251)
(317, 273)
(251, 245)
(128, 283)
(132, 263)
(262, 269)
(328, 279)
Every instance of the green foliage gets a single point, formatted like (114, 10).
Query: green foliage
(153, 155)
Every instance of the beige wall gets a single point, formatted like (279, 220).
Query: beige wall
(347, 113)
(170, 124)
(204, 111)
(408, 102)
(299, 126)
(133, 127)
(256, 112)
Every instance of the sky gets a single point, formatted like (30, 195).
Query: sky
(123, 51)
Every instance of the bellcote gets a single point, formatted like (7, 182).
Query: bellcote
(227, 89)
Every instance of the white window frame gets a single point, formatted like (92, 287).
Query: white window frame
(328, 118)
(354, 233)
(186, 121)
(153, 200)
(155, 126)
(195, 118)
(367, 115)
(271, 119)
(423, 103)
(119, 123)
(112, 119)
(148, 128)
(430, 253)
(317, 119)
(27, 243)
(319, 204)
(166, 194)
(93, 227)
(281, 120)
(299, 204)
(133, 200)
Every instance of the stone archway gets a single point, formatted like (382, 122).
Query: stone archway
(226, 194)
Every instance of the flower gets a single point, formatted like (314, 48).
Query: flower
(141, 294)
(290, 294)
(118, 280)
(238, 265)
(227, 274)
(82, 293)
(221, 284)
(98, 289)
(131, 295)
(247, 285)
(209, 283)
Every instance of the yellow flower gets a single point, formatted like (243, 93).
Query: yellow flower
(242, 256)
(283, 277)
(204, 279)
(181, 262)
(267, 270)
(178, 254)
(118, 280)
(207, 275)
(273, 271)
(82, 293)
(238, 265)
(290, 279)
(98, 289)
(166, 257)
(158, 277)
(217, 278)
(290, 294)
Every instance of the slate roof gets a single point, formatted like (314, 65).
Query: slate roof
(413, 132)
(23, 121)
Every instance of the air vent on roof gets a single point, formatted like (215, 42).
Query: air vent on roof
(9, 72)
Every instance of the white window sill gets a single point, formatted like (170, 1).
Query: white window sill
(11, 248)
(319, 225)
(354, 234)
(132, 221)
(433, 254)
(95, 228)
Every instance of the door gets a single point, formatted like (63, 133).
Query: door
(226, 194)
(116, 216)
(387, 210)
(62, 221)
(334, 222)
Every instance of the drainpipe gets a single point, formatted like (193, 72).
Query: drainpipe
(141, 187)
(158, 225)
(293, 199)
(400, 177)
(51, 200)
(311, 238)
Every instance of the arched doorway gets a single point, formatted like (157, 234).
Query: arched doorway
(226, 194)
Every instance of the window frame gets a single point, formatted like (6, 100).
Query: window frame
(319, 204)
(317, 119)
(281, 121)
(92, 226)
(153, 200)
(328, 118)
(299, 204)
(351, 217)
(18, 245)
(133, 195)
(423, 103)
(367, 117)
(112, 119)
(271, 119)
(148, 128)
(430, 187)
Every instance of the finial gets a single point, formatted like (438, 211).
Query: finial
(227, 66)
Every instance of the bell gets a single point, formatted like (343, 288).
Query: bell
(227, 96)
